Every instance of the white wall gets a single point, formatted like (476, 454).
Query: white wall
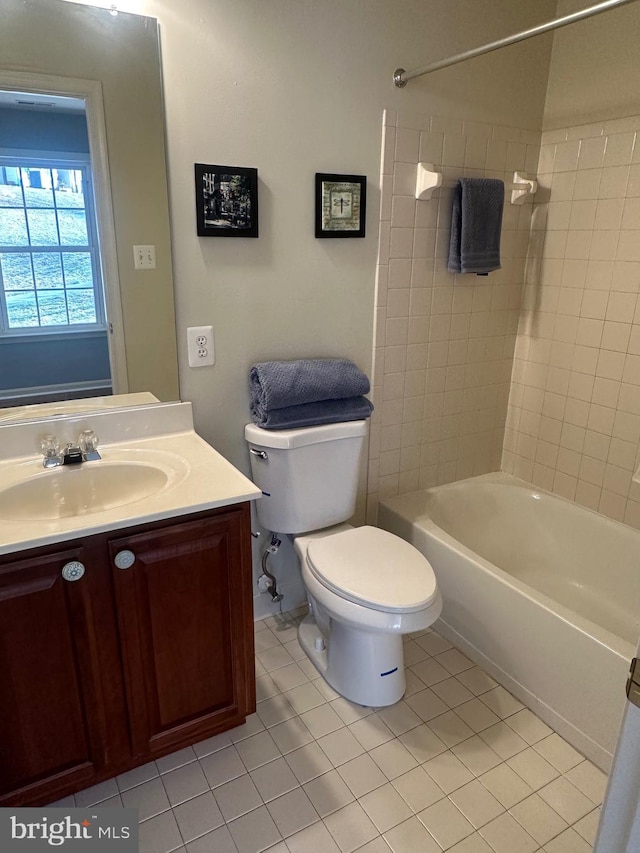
(293, 87)
(594, 73)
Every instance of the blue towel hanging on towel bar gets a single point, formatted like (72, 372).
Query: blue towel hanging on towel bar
(476, 224)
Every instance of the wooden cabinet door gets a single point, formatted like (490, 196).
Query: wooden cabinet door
(184, 614)
(52, 721)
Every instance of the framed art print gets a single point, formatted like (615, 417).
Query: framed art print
(226, 201)
(340, 205)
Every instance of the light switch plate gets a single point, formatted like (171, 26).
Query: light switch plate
(144, 257)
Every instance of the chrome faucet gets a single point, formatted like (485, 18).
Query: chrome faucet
(84, 450)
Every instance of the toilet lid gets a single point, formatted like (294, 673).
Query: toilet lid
(373, 567)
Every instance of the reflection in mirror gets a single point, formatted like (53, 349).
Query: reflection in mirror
(53, 323)
(126, 323)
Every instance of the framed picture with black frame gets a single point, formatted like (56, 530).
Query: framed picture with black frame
(341, 204)
(226, 201)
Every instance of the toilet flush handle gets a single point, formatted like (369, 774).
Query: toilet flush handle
(261, 454)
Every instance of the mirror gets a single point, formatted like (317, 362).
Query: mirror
(112, 60)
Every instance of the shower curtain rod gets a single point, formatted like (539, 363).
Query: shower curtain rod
(401, 77)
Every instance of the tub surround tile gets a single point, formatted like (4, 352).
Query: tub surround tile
(342, 778)
(597, 249)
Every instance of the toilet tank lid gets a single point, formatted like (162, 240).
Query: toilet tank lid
(288, 438)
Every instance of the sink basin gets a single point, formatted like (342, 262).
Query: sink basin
(74, 490)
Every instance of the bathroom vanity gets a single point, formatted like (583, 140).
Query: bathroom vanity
(126, 631)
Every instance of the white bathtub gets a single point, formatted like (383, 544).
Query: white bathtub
(543, 594)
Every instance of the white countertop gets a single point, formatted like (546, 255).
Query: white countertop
(200, 477)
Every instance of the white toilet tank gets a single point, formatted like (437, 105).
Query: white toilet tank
(308, 476)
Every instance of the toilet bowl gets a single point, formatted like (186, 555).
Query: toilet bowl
(366, 587)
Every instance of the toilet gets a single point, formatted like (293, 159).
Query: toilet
(366, 587)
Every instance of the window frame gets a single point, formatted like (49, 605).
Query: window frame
(62, 160)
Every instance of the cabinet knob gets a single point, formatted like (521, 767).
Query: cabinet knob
(124, 559)
(73, 570)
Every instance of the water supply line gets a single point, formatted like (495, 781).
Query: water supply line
(270, 579)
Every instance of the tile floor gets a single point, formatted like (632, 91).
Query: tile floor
(457, 765)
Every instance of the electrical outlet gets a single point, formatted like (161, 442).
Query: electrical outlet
(144, 257)
(200, 346)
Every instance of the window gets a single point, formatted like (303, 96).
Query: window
(49, 259)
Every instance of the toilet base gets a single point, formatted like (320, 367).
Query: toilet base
(364, 667)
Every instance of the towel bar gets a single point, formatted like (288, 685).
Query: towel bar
(429, 179)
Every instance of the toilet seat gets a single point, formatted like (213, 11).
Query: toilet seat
(374, 568)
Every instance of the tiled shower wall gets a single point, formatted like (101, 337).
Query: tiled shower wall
(574, 413)
(444, 343)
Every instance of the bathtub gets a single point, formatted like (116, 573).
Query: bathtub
(541, 593)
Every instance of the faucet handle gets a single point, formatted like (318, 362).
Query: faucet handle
(88, 441)
(88, 444)
(50, 446)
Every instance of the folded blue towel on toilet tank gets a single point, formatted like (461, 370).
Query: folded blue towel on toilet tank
(332, 389)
